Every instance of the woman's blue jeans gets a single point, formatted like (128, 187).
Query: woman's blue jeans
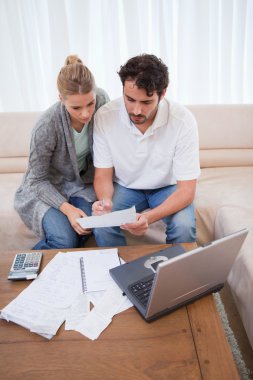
(58, 231)
(180, 227)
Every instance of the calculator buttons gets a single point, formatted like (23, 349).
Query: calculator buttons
(25, 265)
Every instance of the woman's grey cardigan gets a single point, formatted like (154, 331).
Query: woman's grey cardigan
(53, 175)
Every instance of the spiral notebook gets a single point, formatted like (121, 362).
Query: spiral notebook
(95, 269)
(83, 276)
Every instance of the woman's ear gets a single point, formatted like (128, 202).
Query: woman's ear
(61, 98)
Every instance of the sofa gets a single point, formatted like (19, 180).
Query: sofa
(223, 202)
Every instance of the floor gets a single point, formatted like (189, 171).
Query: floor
(238, 329)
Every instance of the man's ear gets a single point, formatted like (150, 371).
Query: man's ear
(61, 98)
(163, 93)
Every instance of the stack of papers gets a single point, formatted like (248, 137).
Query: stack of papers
(57, 296)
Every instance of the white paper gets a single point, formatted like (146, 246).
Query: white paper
(97, 264)
(111, 303)
(56, 296)
(93, 325)
(49, 321)
(95, 297)
(97, 269)
(77, 312)
(34, 315)
(42, 306)
(59, 283)
(115, 218)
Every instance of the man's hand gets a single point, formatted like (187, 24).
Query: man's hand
(139, 227)
(73, 213)
(102, 207)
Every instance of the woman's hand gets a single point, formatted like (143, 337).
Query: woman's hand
(139, 227)
(102, 207)
(73, 213)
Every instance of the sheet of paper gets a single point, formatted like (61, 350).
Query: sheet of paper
(77, 312)
(93, 325)
(41, 307)
(59, 283)
(34, 316)
(97, 269)
(116, 218)
(111, 303)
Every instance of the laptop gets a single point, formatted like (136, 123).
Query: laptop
(163, 281)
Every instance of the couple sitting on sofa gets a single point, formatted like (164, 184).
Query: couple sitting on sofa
(145, 151)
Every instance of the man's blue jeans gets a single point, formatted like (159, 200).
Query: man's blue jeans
(58, 231)
(180, 227)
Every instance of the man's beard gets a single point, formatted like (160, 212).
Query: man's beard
(138, 119)
(142, 119)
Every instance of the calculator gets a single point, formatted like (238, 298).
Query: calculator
(25, 266)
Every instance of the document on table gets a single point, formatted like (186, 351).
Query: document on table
(56, 296)
(94, 269)
(42, 306)
(113, 219)
(110, 303)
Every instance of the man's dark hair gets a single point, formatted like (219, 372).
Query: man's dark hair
(148, 72)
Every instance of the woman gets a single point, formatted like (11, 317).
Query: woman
(57, 187)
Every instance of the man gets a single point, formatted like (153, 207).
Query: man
(146, 154)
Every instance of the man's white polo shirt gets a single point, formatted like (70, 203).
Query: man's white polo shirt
(166, 153)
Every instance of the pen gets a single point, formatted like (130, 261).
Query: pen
(119, 257)
(102, 203)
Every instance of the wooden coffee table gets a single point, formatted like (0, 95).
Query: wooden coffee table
(187, 344)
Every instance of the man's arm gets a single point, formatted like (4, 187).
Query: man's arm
(182, 197)
(103, 185)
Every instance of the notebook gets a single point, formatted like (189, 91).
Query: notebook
(94, 266)
(163, 281)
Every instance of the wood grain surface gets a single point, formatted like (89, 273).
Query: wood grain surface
(186, 344)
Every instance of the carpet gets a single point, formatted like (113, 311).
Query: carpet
(242, 369)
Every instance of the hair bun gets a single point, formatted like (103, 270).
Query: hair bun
(72, 59)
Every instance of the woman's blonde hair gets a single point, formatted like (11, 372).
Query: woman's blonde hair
(74, 77)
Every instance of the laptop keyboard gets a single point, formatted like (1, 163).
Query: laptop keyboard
(141, 290)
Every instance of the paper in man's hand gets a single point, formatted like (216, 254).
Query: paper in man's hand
(116, 218)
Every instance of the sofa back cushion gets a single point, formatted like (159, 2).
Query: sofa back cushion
(15, 131)
(225, 133)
